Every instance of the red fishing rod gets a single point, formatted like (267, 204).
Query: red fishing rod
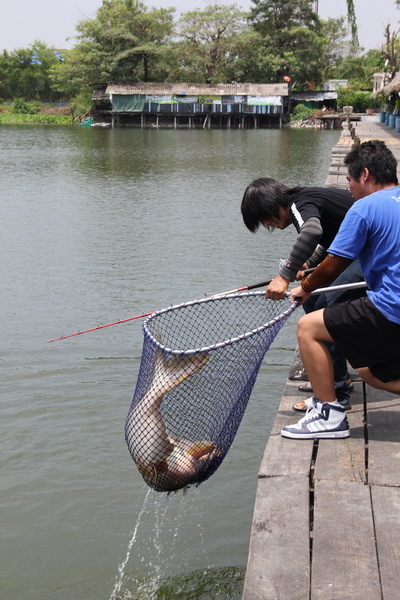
(241, 289)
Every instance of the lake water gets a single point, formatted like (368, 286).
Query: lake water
(99, 225)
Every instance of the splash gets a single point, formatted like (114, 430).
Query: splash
(122, 566)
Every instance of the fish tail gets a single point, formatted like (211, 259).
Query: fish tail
(170, 371)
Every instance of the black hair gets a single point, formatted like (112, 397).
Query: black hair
(262, 200)
(375, 156)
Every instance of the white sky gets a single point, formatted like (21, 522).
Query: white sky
(53, 21)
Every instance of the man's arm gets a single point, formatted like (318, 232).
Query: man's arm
(303, 248)
(324, 274)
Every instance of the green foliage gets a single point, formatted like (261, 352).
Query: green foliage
(127, 42)
(20, 107)
(34, 119)
(292, 42)
(360, 101)
(24, 73)
(300, 112)
(81, 105)
(211, 43)
(351, 19)
(360, 69)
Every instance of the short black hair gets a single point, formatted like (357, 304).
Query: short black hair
(262, 200)
(375, 156)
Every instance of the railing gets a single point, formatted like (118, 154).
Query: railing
(183, 108)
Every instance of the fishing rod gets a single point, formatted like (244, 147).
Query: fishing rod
(241, 289)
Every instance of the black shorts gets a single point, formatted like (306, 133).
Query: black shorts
(365, 337)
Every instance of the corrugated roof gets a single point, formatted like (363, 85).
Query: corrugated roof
(196, 89)
(314, 96)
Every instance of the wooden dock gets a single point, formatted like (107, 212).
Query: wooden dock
(326, 523)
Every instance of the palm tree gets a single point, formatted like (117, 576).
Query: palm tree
(351, 19)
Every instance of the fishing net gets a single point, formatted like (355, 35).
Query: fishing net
(199, 364)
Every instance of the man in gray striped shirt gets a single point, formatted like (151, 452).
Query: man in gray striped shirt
(316, 213)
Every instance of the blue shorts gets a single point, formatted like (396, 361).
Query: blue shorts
(366, 337)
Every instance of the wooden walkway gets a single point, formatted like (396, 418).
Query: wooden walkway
(326, 522)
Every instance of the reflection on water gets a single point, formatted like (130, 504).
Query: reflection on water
(99, 225)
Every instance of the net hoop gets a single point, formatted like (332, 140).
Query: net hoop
(283, 315)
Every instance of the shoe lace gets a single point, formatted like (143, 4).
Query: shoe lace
(310, 414)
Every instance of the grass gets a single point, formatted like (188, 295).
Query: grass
(39, 118)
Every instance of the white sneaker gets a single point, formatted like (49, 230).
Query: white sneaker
(322, 420)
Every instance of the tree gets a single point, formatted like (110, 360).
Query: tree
(359, 69)
(24, 73)
(292, 40)
(390, 50)
(211, 42)
(125, 42)
(352, 21)
(336, 47)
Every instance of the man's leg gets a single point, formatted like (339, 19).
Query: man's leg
(325, 417)
(390, 386)
(312, 335)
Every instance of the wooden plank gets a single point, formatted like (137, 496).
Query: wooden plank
(284, 456)
(386, 507)
(344, 460)
(383, 415)
(344, 563)
(279, 560)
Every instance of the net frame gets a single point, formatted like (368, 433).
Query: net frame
(182, 399)
(282, 316)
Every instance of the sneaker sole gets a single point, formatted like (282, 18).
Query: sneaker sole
(315, 435)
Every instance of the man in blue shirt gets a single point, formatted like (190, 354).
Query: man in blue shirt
(366, 329)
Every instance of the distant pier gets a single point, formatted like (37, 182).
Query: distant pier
(326, 523)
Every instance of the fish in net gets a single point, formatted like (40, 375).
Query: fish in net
(199, 364)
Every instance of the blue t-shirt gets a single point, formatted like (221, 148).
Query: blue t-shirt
(371, 232)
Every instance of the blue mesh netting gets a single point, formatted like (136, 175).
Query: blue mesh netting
(199, 364)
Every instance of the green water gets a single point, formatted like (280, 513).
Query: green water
(99, 225)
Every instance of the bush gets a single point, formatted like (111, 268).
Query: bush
(39, 119)
(20, 107)
(360, 101)
(300, 113)
(81, 105)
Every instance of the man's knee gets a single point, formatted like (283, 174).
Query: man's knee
(370, 379)
(312, 327)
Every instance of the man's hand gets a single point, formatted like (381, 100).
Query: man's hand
(277, 288)
(301, 274)
(298, 293)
